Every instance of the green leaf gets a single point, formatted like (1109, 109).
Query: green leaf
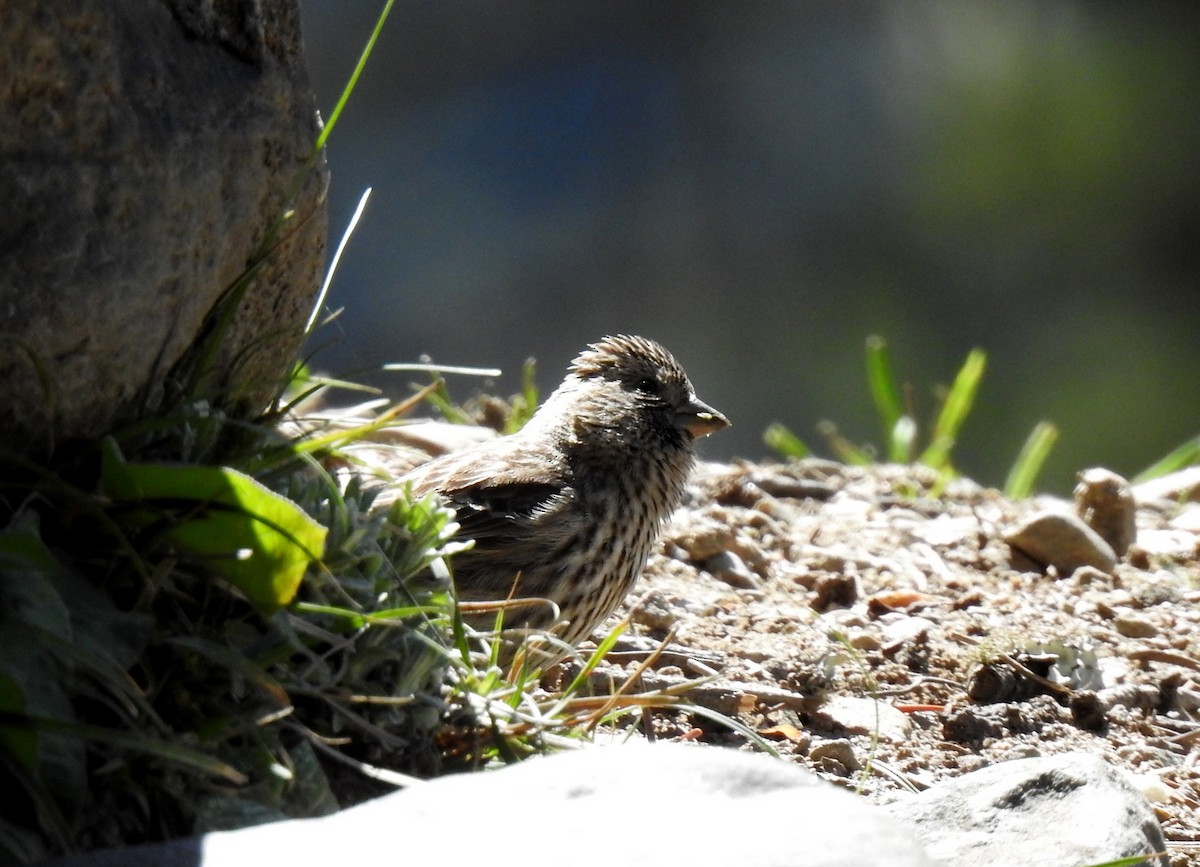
(36, 688)
(26, 590)
(257, 540)
(45, 606)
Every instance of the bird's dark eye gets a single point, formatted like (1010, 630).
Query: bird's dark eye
(648, 385)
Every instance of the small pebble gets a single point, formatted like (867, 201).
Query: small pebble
(839, 753)
(842, 714)
(1133, 626)
(1105, 502)
(1061, 540)
(730, 568)
(862, 640)
(702, 538)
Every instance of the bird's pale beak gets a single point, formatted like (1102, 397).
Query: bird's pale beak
(699, 419)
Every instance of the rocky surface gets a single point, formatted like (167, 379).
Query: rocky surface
(1057, 811)
(148, 147)
(892, 632)
(690, 804)
(889, 636)
(649, 805)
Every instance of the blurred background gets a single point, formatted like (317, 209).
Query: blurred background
(762, 186)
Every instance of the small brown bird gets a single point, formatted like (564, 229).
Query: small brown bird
(569, 507)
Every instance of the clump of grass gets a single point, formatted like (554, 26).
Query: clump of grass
(188, 646)
(503, 416)
(504, 715)
(906, 441)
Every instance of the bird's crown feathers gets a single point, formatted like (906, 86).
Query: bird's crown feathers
(626, 356)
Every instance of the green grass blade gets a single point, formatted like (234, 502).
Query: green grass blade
(785, 443)
(381, 617)
(884, 391)
(1133, 860)
(597, 656)
(236, 663)
(955, 410)
(525, 404)
(1028, 465)
(1183, 456)
(844, 450)
(136, 742)
(353, 82)
(439, 399)
(336, 260)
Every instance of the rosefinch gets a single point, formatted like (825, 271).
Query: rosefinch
(568, 508)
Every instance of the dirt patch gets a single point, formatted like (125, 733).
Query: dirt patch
(887, 638)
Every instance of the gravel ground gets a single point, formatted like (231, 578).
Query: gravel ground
(887, 638)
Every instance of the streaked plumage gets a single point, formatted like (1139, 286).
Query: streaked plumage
(569, 507)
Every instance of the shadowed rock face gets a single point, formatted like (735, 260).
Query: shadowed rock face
(147, 148)
(762, 812)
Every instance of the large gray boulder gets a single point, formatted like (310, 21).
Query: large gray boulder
(642, 804)
(147, 145)
(1053, 811)
(636, 805)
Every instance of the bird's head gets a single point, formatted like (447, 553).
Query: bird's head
(634, 388)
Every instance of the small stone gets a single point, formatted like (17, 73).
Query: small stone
(1087, 710)
(836, 756)
(1056, 811)
(702, 538)
(1105, 502)
(971, 725)
(1187, 519)
(780, 485)
(1167, 543)
(1061, 540)
(834, 590)
(1133, 626)
(730, 568)
(860, 639)
(1086, 575)
(907, 630)
(656, 612)
(841, 714)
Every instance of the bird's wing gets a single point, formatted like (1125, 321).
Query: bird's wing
(514, 503)
(498, 490)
